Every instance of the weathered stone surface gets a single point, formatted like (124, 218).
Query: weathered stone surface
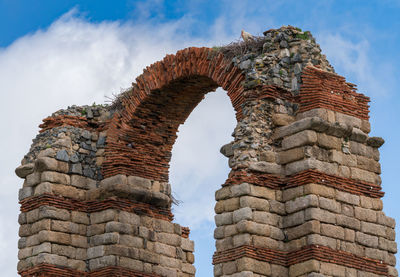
(24, 170)
(306, 137)
(266, 167)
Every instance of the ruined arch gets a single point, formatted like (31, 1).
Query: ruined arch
(302, 197)
(160, 100)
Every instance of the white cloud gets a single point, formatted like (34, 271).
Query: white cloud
(353, 59)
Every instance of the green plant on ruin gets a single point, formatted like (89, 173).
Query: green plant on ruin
(305, 36)
(83, 112)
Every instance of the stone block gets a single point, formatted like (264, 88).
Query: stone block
(347, 210)
(187, 245)
(102, 262)
(329, 204)
(291, 193)
(25, 192)
(148, 256)
(32, 179)
(368, 164)
(103, 216)
(267, 218)
(332, 231)
(329, 269)
(309, 227)
(121, 228)
(316, 239)
(227, 150)
(301, 203)
(103, 239)
(96, 229)
(95, 252)
(277, 207)
(44, 224)
(230, 230)
(24, 170)
(45, 247)
(385, 220)
(364, 175)
(242, 214)
(224, 244)
(339, 157)
(82, 182)
(227, 205)
(291, 155)
(50, 164)
(319, 214)
(241, 239)
(24, 253)
(348, 222)
(239, 190)
(306, 137)
(51, 259)
(388, 245)
(63, 250)
(371, 203)
(293, 219)
(131, 264)
(348, 120)
(348, 198)
(314, 123)
(263, 192)
(358, 135)
(349, 235)
(190, 257)
(252, 265)
(165, 249)
(320, 190)
(329, 142)
(278, 270)
(266, 167)
(225, 192)
(136, 181)
(55, 177)
(254, 203)
(189, 269)
(367, 240)
(267, 156)
(54, 237)
(53, 213)
(131, 241)
(172, 239)
(251, 227)
(282, 119)
(373, 229)
(80, 217)
(119, 179)
(304, 268)
(170, 262)
(44, 188)
(76, 264)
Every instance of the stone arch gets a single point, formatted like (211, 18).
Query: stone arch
(302, 198)
(142, 133)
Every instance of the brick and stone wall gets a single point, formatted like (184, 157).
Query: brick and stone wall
(303, 197)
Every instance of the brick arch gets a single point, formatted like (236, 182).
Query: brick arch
(142, 133)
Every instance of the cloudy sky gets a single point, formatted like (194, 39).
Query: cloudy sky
(58, 53)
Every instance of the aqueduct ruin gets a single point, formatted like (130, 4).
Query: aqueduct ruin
(303, 197)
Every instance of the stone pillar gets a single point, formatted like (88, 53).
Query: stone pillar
(74, 222)
(307, 200)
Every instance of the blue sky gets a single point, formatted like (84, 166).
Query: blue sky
(58, 53)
